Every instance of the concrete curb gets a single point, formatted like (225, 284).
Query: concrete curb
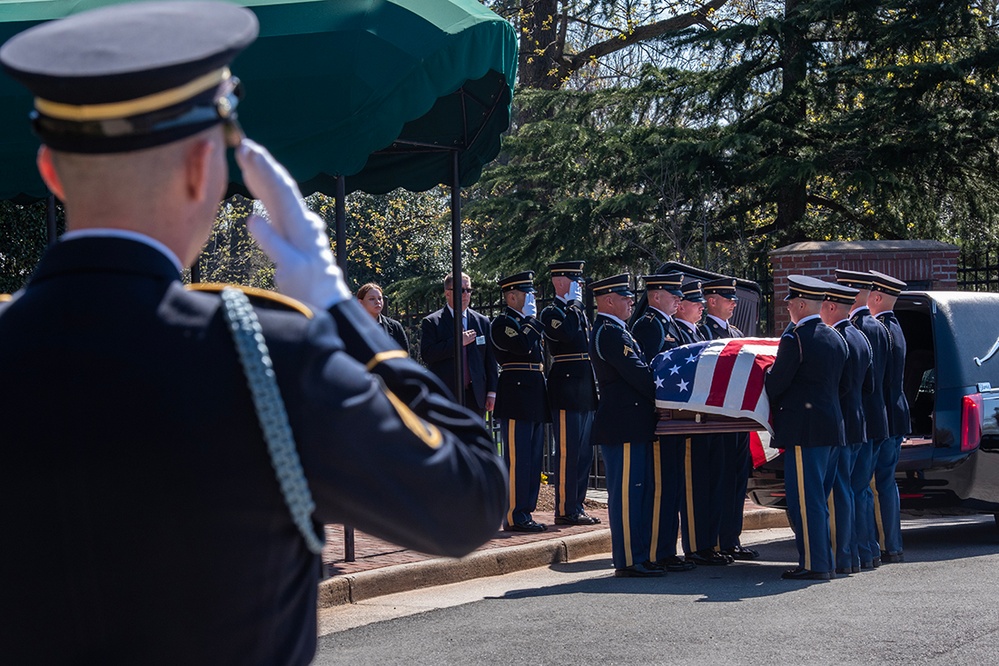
(352, 588)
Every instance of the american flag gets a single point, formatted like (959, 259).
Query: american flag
(717, 377)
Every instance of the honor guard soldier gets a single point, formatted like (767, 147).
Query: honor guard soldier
(884, 292)
(572, 392)
(182, 424)
(702, 458)
(656, 332)
(875, 418)
(624, 427)
(857, 381)
(521, 401)
(720, 303)
(804, 384)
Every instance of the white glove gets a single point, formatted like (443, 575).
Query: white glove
(292, 236)
(530, 306)
(574, 291)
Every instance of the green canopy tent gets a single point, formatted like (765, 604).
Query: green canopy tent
(349, 95)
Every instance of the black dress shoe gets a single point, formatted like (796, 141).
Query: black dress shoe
(740, 553)
(674, 563)
(578, 519)
(639, 571)
(805, 574)
(708, 558)
(891, 558)
(529, 526)
(846, 571)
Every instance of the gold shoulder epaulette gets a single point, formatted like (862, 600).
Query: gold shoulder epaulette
(270, 298)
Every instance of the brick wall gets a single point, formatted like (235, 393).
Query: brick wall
(924, 264)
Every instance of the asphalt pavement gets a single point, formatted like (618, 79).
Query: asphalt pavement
(381, 568)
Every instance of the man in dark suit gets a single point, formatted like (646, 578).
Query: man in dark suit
(804, 385)
(656, 332)
(517, 338)
(168, 433)
(884, 292)
(437, 349)
(703, 458)
(624, 427)
(875, 418)
(857, 381)
(737, 464)
(572, 392)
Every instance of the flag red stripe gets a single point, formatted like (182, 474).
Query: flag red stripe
(722, 374)
(754, 385)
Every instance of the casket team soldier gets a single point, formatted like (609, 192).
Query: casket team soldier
(623, 427)
(521, 399)
(803, 385)
(703, 457)
(875, 418)
(131, 429)
(721, 301)
(857, 381)
(572, 392)
(884, 292)
(656, 332)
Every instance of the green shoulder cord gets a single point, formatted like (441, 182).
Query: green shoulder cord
(256, 361)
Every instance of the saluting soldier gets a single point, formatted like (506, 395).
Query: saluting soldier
(521, 400)
(572, 392)
(857, 381)
(875, 418)
(720, 303)
(803, 384)
(656, 332)
(884, 293)
(623, 426)
(703, 458)
(189, 503)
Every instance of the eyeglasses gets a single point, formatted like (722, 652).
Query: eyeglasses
(464, 291)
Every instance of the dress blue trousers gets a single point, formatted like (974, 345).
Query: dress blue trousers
(573, 458)
(805, 469)
(862, 481)
(737, 468)
(667, 495)
(700, 514)
(523, 448)
(842, 507)
(886, 500)
(629, 506)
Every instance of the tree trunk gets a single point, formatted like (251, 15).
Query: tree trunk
(791, 195)
(540, 45)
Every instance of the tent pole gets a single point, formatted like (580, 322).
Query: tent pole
(341, 224)
(456, 285)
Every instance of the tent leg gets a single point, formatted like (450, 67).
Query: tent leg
(341, 224)
(457, 294)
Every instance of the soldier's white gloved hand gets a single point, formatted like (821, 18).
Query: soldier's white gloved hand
(292, 236)
(530, 305)
(574, 291)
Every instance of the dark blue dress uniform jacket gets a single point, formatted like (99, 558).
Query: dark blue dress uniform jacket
(140, 510)
(875, 414)
(858, 380)
(517, 341)
(571, 385)
(626, 412)
(437, 351)
(711, 330)
(655, 333)
(804, 387)
(895, 402)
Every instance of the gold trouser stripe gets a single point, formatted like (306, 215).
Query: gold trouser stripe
(832, 524)
(562, 461)
(626, 504)
(657, 499)
(384, 356)
(877, 515)
(803, 509)
(691, 527)
(131, 107)
(511, 446)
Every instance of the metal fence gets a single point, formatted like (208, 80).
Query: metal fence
(978, 268)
